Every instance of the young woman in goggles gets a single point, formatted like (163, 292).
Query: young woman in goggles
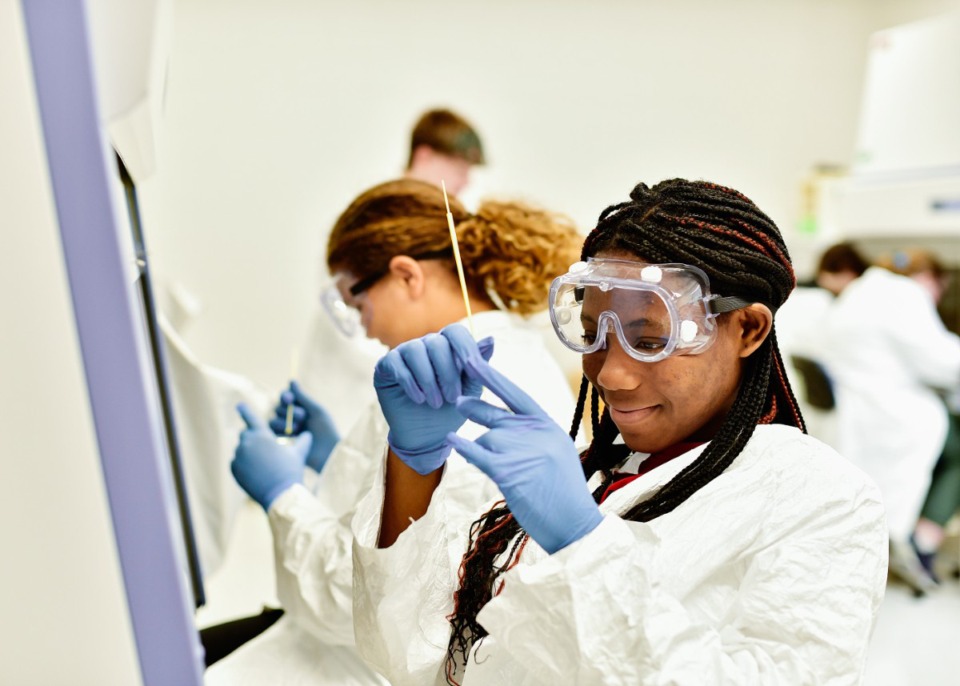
(701, 538)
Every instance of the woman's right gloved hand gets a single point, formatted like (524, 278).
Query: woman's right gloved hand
(418, 384)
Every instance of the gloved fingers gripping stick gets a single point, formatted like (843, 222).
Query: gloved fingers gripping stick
(448, 372)
(465, 348)
(417, 384)
(427, 363)
(531, 459)
(392, 371)
(307, 415)
(278, 424)
(288, 420)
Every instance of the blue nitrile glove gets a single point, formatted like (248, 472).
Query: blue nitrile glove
(263, 467)
(418, 384)
(308, 415)
(298, 421)
(531, 459)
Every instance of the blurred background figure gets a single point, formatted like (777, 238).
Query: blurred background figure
(943, 496)
(839, 265)
(890, 356)
(799, 323)
(444, 147)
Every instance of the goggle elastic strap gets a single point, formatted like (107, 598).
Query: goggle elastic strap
(726, 304)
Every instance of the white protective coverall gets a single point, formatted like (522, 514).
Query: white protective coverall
(772, 573)
(313, 643)
(886, 349)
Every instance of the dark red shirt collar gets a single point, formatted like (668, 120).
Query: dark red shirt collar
(656, 459)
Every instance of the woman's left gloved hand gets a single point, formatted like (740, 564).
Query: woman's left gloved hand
(531, 459)
(418, 384)
(306, 415)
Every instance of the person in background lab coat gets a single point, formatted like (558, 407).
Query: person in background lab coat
(887, 350)
(839, 266)
(392, 256)
(721, 545)
(943, 495)
(798, 333)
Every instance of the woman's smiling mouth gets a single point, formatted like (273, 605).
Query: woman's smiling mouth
(630, 416)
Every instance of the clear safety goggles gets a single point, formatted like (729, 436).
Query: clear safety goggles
(654, 310)
(343, 316)
(346, 317)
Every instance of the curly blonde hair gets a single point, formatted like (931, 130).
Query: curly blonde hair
(510, 249)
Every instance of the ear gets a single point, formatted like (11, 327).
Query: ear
(409, 274)
(755, 323)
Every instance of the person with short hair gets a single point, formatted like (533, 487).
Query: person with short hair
(839, 265)
(444, 147)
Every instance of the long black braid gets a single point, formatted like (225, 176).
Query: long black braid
(743, 254)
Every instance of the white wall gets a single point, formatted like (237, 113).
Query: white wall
(277, 114)
(887, 13)
(64, 617)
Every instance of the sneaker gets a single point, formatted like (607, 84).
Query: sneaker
(926, 560)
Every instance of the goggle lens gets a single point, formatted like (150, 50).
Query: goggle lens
(344, 317)
(583, 316)
(653, 310)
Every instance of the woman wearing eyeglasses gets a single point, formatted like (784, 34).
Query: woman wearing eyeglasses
(394, 273)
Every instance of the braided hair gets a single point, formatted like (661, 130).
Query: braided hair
(743, 254)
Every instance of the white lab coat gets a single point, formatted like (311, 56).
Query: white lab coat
(799, 323)
(313, 643)
(770, 574)
(886, 348)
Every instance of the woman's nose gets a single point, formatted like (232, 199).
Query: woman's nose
(618, 371)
